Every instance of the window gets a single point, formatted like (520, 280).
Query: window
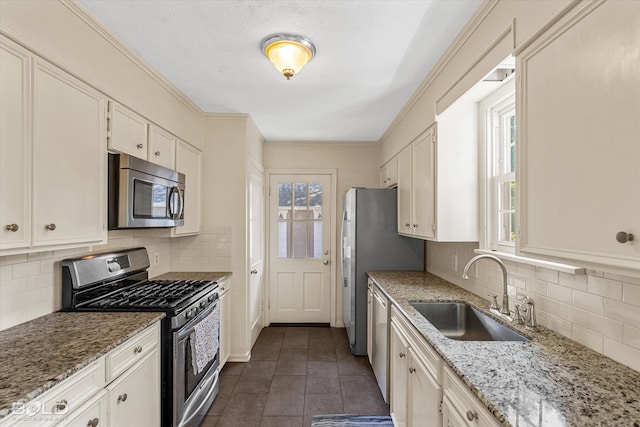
(299, 220)
(498, 143)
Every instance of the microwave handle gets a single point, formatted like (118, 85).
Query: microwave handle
(175, 214)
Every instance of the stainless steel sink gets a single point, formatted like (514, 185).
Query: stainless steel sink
(460, 321)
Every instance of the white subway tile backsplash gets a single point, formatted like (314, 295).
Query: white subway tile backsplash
(537, 286)
(604, 287)
(561, 326)
(6, 272)
(587, 338)
(604, 326)
(13, 259)
(631, 293)
(547, 275)
(635, 280)
(26, 269)
(622, 353)
(631, 336)
(573, 314)
(625, 313)
(590, 302)
(573, 281)
(13, 287)
(560, 293)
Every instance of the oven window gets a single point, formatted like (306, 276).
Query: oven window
(150, 200)
(192, 381)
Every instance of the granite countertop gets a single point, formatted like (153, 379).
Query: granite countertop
(547, 381)
(216, 276)
(37, 355)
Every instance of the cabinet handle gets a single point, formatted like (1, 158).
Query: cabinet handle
(50, 227)
(157, 154)
(623, 237)
(137, 350)
(11, 227)
(412, 370)
(140, 146)
(122, 397)
(472, 415)
(61, 405)
(93, 423)
(401, 354)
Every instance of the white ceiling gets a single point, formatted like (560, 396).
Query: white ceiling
(371, 57)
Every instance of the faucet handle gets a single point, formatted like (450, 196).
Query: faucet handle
(517, 316)
(494, 302)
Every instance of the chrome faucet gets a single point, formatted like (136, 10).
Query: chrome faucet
(530, 312)
(505, 296)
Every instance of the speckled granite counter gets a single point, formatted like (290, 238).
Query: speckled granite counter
(548, 381)
(216, 276)
(37, 355)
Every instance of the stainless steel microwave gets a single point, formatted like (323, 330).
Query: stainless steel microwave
(143, 194)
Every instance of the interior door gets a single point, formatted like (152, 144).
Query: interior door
(299, 248)
(256, 252)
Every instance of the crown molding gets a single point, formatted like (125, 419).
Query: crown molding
(116, 42)
(468, 30)
(323, 143)
(226, 116)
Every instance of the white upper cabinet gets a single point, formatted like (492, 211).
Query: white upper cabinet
(127, 131)
(189, 162)
(50, 120)
(162, 147)
(416, 187)
(69, 161)
(15, 146)
(389, 174)
(578, 146)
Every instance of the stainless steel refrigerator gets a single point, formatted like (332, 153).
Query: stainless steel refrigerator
(370, 241)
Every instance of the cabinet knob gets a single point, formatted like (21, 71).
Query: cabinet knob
(140, 146)
(254, 271)
(401, 354)
(472, 415)
(415, 225)
(623, 237)
(122, 397)
(93, 423)
(137, 350)
(412, 370)
(11, 227)
(407, 225)
(50, 227)
(222, 289)
(157, 154)
(61, 405)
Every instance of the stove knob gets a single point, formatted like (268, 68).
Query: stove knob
(188, 314)
(212, 297)
(203, 304)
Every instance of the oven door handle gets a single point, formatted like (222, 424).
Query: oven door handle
(189, 328)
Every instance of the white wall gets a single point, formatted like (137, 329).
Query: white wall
(356, 165)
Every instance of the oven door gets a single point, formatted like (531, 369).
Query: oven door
(192, 394)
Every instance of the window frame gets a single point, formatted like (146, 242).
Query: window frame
(491, 109)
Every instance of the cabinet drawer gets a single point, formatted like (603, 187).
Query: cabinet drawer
(91, 414)
(465, 403)
(429, 357)
(133, 350)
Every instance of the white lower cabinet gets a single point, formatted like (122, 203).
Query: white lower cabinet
(134, 397)
(225, 321)
(460, 408)
(89, 398)
(415, 394)
(378, 337)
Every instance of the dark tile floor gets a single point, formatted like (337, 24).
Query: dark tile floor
(295, 373)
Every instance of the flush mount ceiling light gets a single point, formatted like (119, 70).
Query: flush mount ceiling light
(288, 52)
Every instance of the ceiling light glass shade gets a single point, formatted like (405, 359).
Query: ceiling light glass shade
(288, 52)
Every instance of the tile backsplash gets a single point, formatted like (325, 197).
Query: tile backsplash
(599, 310)
(30, 284)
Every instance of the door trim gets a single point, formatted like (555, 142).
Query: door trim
(333, 293)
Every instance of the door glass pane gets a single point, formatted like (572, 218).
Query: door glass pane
(284, 232)
(284, 194)
(299, 239)
(315, 195)
(315, 239)
(300, 194)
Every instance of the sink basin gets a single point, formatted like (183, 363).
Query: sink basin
(460, 321)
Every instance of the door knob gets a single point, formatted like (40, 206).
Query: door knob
(254, 271)
(325, 261)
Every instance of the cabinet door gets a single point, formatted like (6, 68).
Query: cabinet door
(188, 162)
(404, 191)
(69, 161)
(370, 323)
(91, 414)
(134, 397)
(450, 416)
(424, 394)
(399, 368)
(578, 151)
(162, 147)
(392, 173)
(423, 190)
(15, 146)
(225, 322)
(127, 131)
(380, 340)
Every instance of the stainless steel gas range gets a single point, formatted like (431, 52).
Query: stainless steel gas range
(118, 281)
